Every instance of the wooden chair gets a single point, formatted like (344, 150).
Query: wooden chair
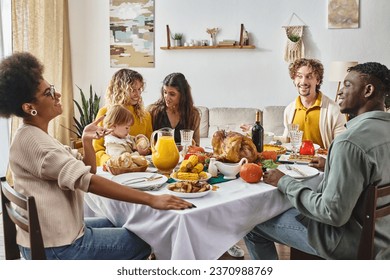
(12, 218)
(77, 144)
(371, 213)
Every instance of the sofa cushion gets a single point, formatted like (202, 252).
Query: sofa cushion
(204, 121)
(230, 118)
(273, 119)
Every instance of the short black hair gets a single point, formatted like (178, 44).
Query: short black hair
(20, 76)
(377, 74)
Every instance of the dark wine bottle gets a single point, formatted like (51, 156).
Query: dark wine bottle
(258, 133)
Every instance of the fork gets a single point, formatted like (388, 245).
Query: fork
(288, 167)
(142, 179)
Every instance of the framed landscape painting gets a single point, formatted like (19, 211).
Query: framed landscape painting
(343, 13)
(132, 33)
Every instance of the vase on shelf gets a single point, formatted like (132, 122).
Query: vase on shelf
(213, 41)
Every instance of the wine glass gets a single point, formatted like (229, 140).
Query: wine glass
(296, 140)
(292, 127)
(186, 138)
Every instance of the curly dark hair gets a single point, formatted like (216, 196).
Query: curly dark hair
(20, 76)
(314, 64)
(186, 104)
(377, 74)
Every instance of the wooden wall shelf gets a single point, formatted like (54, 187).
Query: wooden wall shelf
(208, 47)
(239, 46)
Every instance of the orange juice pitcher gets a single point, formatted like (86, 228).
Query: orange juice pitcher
(165, 154)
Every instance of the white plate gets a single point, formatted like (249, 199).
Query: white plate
(189, 195)
(201, 180)
(122, 178)
(289, 147)
(309, 171)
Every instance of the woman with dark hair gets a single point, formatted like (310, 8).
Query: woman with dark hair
(58, 176)
(175, 108)
(125, 88)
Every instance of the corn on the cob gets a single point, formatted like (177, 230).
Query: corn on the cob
(187, 176)
(192, 161)
(202, 175)
(197, 168)
(183, 166)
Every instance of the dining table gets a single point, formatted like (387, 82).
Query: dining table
(221, 218)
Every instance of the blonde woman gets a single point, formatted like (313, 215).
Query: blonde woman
(125, 89)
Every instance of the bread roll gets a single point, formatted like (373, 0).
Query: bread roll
(142, 142)
(113, 161)
(125, 160)
(139, 160)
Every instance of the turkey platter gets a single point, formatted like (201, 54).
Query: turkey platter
(233, 146)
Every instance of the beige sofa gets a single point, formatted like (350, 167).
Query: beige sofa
(228, 118)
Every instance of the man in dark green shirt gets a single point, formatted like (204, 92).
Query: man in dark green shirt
(322, 221)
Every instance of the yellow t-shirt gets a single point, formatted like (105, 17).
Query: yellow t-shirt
(309, 120)
(140, 126)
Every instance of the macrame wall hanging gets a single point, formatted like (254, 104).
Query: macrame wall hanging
(295, 48)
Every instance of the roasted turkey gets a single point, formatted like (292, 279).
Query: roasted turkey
(233, 146)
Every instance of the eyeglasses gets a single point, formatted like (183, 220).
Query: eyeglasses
(51, 92)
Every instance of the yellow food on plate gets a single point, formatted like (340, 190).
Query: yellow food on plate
(275, 148)
(187, 176)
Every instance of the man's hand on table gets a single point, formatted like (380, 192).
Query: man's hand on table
(169, 202)
(318, 162)
(272, 176)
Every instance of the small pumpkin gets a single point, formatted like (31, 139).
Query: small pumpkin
(251, 172)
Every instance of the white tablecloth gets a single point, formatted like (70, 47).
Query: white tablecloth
(221, 219)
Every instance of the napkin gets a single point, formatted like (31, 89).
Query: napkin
(218, 179)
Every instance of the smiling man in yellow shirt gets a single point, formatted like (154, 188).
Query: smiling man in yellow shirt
(317, 115)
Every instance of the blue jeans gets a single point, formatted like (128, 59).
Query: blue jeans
(284, 229)
(101, 241)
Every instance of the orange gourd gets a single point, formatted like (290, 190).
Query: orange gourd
(251, 172)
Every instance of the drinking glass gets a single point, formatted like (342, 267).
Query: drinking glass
(296, 140)
(186, 138)
(292, 127)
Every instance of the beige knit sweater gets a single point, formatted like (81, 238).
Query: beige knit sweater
(46, 169)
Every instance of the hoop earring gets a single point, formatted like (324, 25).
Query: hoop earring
(33, 112)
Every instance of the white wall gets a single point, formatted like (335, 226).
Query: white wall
(5, 49)
(237, 78)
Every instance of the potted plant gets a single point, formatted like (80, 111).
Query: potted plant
(294, 38)
(177, 37)
(88, 109)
